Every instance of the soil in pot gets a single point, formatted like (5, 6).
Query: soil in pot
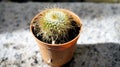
(72, 33)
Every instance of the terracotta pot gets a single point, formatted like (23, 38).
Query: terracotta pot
(57, 54)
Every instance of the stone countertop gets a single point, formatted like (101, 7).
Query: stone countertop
(98, 46)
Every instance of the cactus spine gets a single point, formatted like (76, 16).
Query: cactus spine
(54, 25)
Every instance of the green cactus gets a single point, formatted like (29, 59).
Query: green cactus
(54, 25)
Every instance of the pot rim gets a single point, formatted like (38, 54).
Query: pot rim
(62, 44)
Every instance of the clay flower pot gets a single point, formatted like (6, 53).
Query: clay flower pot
(58, 54)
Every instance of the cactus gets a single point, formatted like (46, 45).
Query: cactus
(54, 25)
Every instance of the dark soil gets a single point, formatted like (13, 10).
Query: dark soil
(72, 34)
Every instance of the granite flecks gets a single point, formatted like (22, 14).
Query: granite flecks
(97, 55)
(18, 47)
(7, 45)
(98, 45)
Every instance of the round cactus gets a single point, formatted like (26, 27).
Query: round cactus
(54, 25)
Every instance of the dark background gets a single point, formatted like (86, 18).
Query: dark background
(42, 0)
(20, 1)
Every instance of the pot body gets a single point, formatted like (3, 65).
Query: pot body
(57, 54)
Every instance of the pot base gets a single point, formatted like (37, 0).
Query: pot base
(57, 58)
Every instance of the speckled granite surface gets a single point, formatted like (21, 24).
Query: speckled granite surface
(98, 46)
